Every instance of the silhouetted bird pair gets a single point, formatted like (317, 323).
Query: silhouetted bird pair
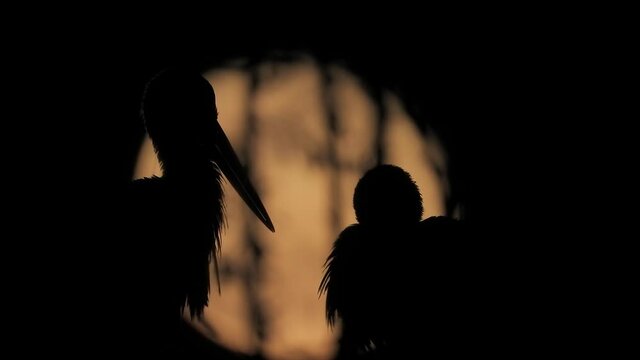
(375, 278)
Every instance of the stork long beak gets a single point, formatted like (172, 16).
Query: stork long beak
(228, 162)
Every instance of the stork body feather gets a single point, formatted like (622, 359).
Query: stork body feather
(179, 225)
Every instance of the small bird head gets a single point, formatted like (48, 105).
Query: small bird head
(180, 114)
(386, 195)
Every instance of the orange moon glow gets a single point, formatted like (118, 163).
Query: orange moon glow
(305, 174)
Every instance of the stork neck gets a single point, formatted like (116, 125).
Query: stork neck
(194, 168)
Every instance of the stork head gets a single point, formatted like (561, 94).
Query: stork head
(181, 118)
(386, 195)
(180, 115)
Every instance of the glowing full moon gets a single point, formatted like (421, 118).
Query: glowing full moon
(306, 142)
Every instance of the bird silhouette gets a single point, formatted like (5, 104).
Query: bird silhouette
(171, 236)
(395, 283)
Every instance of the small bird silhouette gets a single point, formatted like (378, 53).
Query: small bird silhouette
(395, 282)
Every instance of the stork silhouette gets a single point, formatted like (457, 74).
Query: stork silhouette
(397, 284)
(173, 222)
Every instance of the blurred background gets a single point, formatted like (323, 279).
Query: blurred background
(471, 104)
(307, 115)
